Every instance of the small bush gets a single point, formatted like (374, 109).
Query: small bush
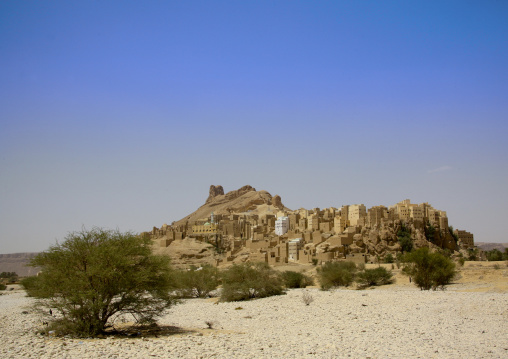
(250, 280)
(472, 254)
(494, 255)
(336, 274)
(296, 279)
(2, 286)
(497, 266)
(197, 282)
(461, 261)
(389, 258)
(307, 298)
(429, 270)
(314, 261)
(373, 277)
(12, 277)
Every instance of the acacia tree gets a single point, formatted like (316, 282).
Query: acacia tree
(96, 275)
(197, 282)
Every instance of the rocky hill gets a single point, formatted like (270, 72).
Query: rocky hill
(186, 251)
(245, 199)
(486, 246)
(242, 228)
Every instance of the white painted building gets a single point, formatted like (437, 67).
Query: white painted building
(281, 226)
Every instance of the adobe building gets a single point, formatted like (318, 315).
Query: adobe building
(465, 239)
(313, 222)
(294, 246)
(355, 212)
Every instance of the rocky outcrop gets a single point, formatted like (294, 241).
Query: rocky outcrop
(188, 251)
(214, 192)
(237, 201)
(231, 195)
(277, 202)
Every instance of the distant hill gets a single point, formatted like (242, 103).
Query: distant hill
(17, 262)
(486, 246)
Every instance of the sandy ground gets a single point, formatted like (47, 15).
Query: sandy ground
(468, 320)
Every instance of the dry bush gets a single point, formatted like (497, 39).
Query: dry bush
(307, 298)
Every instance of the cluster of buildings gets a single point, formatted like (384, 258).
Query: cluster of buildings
(296, 236)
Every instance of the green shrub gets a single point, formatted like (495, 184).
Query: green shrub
(461, 261)
(429, 270)
(3, 286)
(250, 280)
(336, 274)
(494, 255)
(32, 286)
(197, 282)
(430, 233)
(296, 279)
(314, 261)
(12, 277)
(404, 238)
(453, 234)
(373, 277)
(389, 258)
(406, 244)
(472, 254)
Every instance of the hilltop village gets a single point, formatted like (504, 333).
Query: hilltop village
(252, 225)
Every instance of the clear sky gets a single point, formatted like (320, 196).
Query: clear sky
(121, 114)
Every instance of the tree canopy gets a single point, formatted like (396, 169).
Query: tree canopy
(96, 275)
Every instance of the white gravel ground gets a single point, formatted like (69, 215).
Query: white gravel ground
(338, 324)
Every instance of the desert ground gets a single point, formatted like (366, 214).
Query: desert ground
(467, 320)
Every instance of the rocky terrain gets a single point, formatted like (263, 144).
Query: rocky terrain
(241, 200)
(468, 320)
(188, 251)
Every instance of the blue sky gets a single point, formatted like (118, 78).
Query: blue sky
(121, 114)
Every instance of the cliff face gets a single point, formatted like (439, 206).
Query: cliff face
(379, 240)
